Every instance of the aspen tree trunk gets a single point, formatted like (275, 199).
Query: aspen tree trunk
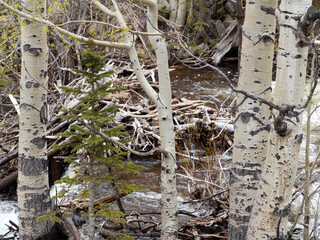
(169, 209)
(169, 206)
(182, 13)
(272, 205)
(250, 144)
(174, 9)
(161, 99)
(33, 184)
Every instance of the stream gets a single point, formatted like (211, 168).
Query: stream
(190, 84)
(203, 84)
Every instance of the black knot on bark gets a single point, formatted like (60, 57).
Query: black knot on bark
(281, 128)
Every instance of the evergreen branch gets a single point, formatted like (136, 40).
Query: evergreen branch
(119, 144)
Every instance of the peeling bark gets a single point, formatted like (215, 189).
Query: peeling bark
(250, 145)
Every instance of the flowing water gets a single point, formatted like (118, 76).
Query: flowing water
(191, 84)
(202, 84)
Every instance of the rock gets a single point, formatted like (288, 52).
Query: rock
(228, 21)
(220, 28)
(231, 6)
(182, 54)
(200, 48)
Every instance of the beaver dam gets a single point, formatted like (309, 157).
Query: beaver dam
(204, 135)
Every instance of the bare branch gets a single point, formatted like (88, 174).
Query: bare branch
(117, 143)
(111, 25)
(63, 31)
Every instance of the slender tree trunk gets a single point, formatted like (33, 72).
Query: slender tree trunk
(92, 219)
(182, 13)
(33, 184)
(272, 205)
(307, 181)
(169, 207)
(174, 9)
(250, 144)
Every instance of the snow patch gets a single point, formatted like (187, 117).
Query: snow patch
(9, 211)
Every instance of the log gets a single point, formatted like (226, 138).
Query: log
(227, 42)
(7, 181)
(9, 157)
(14, 154)
(81, 205)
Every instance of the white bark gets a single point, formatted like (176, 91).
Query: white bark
(272, 206)
(131, 51)
(33, 184)
(169, 227)
(182, 13)
(250, 145)
(169, 206)
(306, 213)
(174, 8)
(161, 99)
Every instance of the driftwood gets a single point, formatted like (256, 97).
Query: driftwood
(221, 125)
(13, 229)
(137, 115)
(82, 205)
(226, 43)
(195, 228)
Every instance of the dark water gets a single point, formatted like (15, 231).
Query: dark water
(202, 84)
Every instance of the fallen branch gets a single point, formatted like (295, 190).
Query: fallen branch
(120, 144)
(82, 205)
(7, 181)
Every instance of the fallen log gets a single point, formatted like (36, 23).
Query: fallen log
(82, 205)
(8, 157)
(7, 181)
(14, 154)
(227, 42)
